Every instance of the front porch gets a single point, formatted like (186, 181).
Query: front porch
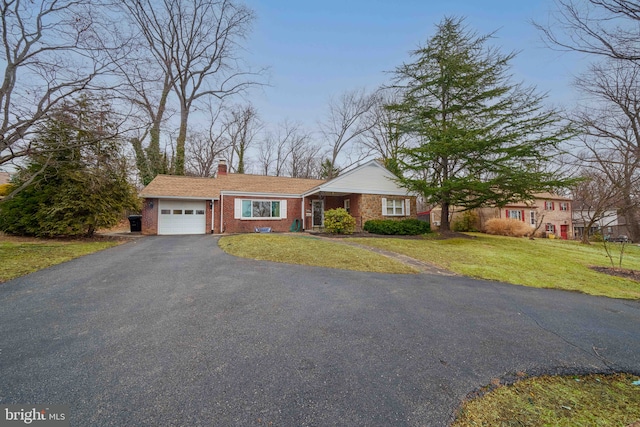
(315, 205)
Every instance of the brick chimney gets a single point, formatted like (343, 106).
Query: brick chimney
(222, 167)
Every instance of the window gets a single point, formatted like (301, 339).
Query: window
(550, 228)
(188, 211)
(564, 206)
(177, 211)
(260, 209)
(548, 206)
(395, 207)
(165, 211)
(347, 205)
(532, 217)
(200, 212)
(514, 214)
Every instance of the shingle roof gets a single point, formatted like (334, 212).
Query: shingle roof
(210, 188)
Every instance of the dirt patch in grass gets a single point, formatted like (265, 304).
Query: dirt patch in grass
(572, 400)
(618, 272)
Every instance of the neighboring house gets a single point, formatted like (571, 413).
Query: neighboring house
(5, 178)
(608, 222)
(550, 211)
(239, 203)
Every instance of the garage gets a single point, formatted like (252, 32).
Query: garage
(182, 217)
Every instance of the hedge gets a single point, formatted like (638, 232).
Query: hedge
(405, 227)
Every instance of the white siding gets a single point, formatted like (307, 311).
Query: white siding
(369, 178)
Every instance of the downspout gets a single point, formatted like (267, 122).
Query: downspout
(303, 215)
(221, 211)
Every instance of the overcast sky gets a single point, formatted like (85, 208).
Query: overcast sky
(318, 49)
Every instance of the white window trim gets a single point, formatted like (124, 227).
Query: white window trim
(238, 210)
(403, 204)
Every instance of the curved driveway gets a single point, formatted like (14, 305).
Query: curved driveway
(172, 331)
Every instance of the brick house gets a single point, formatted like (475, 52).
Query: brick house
(240, 203)
(550, 211)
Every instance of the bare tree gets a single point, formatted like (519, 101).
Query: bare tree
(611, 128)
(205, 148)
(607, 28)
(383, 138)
(241, 125)
(594, 198)
(51, 50)
(345, 124)
(196, 43)
(283, 151)
(147, 85)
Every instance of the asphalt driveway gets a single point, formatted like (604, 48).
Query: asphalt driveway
(171, 331)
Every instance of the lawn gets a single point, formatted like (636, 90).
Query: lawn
(540, 263)
(23, 256)
(307, 250)
(591, 400)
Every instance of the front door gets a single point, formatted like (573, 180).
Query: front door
(563, 232)
(317, 210)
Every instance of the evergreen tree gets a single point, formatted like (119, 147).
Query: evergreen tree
(76, 188)
(481, 139)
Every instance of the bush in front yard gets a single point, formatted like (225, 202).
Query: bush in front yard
(338, 221)
(467, 222)
(405, 227)
(5, 189)
(507, 227)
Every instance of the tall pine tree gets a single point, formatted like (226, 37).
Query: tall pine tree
(481, 140)
(76, 178)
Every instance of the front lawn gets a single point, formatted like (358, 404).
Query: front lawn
(540, 263)
(22, 256)
(307, 250)
(591, 400)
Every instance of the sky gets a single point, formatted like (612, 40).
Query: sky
(316, 50)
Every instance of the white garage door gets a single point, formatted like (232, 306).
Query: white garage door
(182, 217)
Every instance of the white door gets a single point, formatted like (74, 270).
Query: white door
(182, 217)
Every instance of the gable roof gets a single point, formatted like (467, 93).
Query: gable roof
(368, 178)
(173, 186)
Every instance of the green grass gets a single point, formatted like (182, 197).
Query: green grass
(540, 263)
(309, 251)
(592, 400)
(24, 256)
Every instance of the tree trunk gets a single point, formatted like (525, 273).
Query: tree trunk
(444, 218)
(180, 142)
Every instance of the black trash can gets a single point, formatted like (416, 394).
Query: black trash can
(135, 221)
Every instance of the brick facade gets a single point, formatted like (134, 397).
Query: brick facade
(371, 207)
(363, 207)
(235, 225)
(150, 216)
(547, 211)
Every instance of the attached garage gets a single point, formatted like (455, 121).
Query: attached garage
(182, 217)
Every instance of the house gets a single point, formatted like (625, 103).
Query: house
(607, 222)
(549, 211)
(5, 178)
(239, 203)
